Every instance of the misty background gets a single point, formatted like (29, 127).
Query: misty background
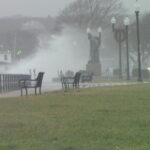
(43, 8)
(52, 34)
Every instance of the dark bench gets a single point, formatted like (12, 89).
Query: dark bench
(73, 82)
(86, 78)
(29, 83)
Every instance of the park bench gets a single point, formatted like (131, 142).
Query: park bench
(68, 82)
(86, 78)
(31, 83)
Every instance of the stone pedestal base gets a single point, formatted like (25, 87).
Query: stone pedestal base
(95, 68)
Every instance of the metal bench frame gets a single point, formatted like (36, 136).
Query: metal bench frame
(73, 82)
(29, 83)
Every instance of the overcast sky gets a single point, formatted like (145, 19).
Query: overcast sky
(44, 8)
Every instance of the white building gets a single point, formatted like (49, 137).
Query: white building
(5, 61)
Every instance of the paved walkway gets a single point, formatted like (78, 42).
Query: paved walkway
(45, 88)
(57, 86)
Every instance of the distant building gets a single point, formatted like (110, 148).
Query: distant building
(5, 62)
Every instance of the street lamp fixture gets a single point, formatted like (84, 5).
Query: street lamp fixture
(88, 30)
(137, 11)
(126, 24)
(99, 30)
(137, 6)
(126, 21)
(120, 37)
(113, 22)
(100, 34)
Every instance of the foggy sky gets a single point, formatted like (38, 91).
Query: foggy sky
(43, 8)
(36, 8)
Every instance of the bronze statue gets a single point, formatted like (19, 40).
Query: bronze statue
(94, 47)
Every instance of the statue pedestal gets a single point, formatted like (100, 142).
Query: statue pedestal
(95, 68)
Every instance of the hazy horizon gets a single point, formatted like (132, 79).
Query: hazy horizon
(44, 8)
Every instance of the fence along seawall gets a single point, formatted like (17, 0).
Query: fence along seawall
(10, 82)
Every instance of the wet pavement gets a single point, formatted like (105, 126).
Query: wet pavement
(57, 86)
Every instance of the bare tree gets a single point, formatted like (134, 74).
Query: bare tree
(91, 12)
(145, 40)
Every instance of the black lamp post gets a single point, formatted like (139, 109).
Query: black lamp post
(113, 22)
(100, 32)
(126, 23)
(120, 37)
(137, 11)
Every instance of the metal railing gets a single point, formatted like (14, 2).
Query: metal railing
(10, 82)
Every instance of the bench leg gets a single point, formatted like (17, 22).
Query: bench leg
(78, 85)
(74, 85)
(66, 86)
(26, 91)
(35, 91)
(40, 90)
(62, 85)
(21, 92)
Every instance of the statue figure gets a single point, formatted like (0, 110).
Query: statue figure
(94, 66)
(94, 48)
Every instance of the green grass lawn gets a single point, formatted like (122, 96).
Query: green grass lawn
(106, 118)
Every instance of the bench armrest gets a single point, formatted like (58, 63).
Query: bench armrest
(27, 82)
(67, 80)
